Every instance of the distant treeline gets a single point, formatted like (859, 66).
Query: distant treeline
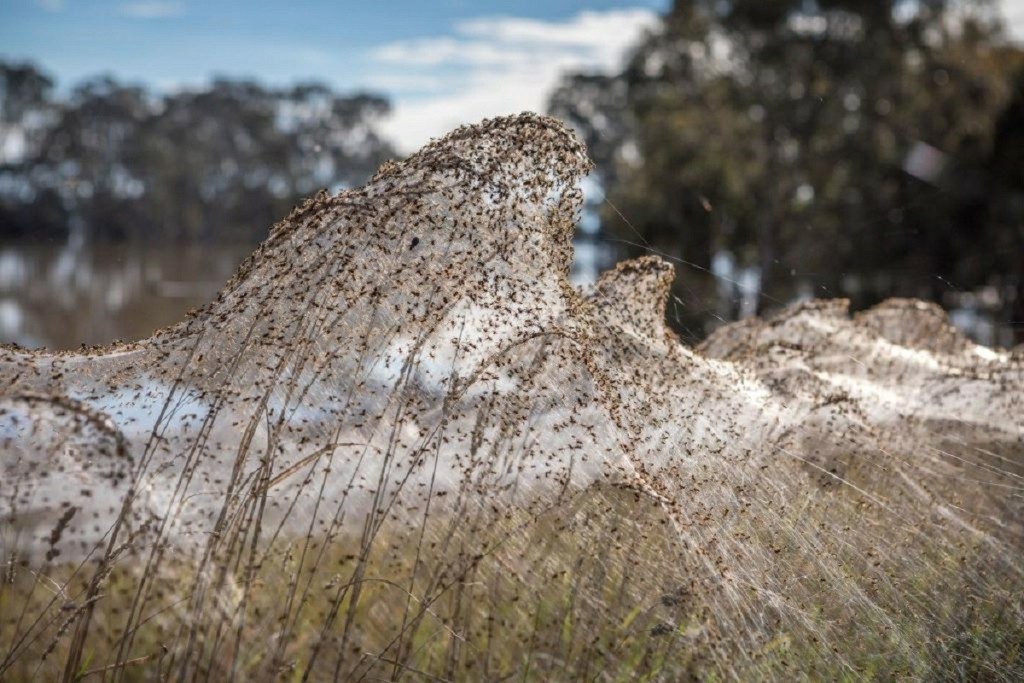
(860, 148)
(118, 162)
(775, 149)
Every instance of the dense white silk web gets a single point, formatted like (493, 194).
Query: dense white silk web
(400, 444)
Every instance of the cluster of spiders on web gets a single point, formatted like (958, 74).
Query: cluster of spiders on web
(400, 442)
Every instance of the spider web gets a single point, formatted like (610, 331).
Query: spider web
(401, 445)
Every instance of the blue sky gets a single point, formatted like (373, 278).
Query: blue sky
(443, 62)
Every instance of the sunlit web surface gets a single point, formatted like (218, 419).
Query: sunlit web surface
(400, 445)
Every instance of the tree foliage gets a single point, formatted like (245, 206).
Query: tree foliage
(118, 162)
(840, 147)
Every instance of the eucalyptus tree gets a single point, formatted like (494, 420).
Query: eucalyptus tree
(833, 145)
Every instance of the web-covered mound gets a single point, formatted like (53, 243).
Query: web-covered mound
(399, 443)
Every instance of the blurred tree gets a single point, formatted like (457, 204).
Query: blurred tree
(26, 112)
(336, 139)
(24, 101)
(115, 162)
(596, 104)
(40, 217)
(829, 146)
(1004, 229)
(82, 157)
(213, 162)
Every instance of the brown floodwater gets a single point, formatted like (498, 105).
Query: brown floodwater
(62, 297)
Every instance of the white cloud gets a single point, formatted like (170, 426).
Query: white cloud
(51, 5)
(497, 65)
(153, 9)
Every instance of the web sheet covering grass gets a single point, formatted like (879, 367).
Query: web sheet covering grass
(399, 445)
